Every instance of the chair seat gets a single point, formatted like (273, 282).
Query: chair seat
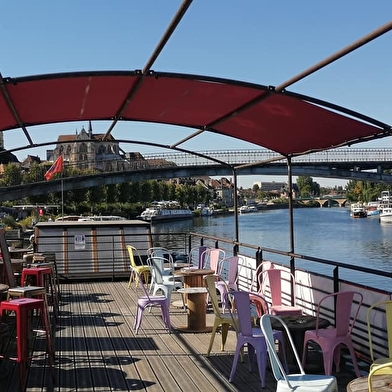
(285, 310)
(326, 336)
(307, 383)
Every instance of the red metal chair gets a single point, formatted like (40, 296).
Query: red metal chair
(22, 307)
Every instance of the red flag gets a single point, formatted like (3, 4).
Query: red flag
(57, 167)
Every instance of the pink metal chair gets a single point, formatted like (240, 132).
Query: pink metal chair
(250, 335)
(145, 300)
(196, 257)
(229, 268)
(211, 259)
(272, 278)
(330, 340)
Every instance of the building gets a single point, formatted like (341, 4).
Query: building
(86, 150)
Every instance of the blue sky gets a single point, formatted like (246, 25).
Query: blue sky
(251, 40)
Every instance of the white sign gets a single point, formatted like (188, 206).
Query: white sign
(80, 241)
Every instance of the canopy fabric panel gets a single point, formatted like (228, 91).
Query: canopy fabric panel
(284, 122)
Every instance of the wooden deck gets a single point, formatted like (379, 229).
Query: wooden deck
(97, 350)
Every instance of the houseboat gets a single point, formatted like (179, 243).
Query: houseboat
(165, 211)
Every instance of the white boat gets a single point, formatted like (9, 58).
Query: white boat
(245, 209)
(385, 207)
(164, 211)
(207, 211)
(386, 215)
(358, 210)
(373, 208)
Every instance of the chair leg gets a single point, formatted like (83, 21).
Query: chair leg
(166, 316)
(225, 331)
(262, 364)
(212, 339)
(235, 361)
(138, 319)
(354, 359)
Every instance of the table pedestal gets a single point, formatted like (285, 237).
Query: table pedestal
(196, 308)
(195, 293)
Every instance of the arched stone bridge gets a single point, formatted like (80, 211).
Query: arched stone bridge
(324, 201)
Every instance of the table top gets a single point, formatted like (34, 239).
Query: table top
(304, 322)
(380, 383)
(193, 271)
(192, 290)
(3, 287)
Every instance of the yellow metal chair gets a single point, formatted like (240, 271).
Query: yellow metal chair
(225, 320)
(140, 267)
(375, 319)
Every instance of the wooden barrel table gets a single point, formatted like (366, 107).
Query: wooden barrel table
(381, 383)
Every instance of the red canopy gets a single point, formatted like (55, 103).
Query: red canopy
(284, 122)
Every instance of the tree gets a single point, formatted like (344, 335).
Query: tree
(307, 187)
(12, 175)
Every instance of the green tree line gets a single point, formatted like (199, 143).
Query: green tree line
(128, 198)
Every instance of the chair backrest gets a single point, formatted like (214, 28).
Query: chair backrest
(374, 317)
(229, 269)
(9, 272)
(158, 265)
(160, 252)
(209, 282)
(133, 255)
(242, 305)
(347, 308)
(261, 267)
(211, 259)
(273, 277)
(195, 256)
(277, 366)
(139, 279)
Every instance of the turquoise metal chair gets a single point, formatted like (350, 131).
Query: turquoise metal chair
(299, 382)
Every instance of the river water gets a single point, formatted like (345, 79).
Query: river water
(327, 233)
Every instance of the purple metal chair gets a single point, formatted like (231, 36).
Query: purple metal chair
(145, 300)
(252, 336)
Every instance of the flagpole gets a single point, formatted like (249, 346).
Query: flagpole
(62, 196)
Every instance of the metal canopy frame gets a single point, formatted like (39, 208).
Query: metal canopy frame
(271, 117)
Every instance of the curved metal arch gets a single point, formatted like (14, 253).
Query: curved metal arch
(198, 154)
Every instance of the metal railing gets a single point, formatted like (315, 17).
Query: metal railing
(315, 277)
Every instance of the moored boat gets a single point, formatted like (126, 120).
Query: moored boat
(385, 207)
(386, 215)
(165, 211)
(358, 210)
(245, 209)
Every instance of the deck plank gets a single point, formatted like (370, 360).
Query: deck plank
(98, 350)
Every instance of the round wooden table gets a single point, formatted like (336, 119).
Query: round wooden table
(297, 326)
(381, 383)
(195, 293)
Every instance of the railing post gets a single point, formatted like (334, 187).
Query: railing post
(235, 250)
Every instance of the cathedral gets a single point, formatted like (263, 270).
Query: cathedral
(86, 150)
